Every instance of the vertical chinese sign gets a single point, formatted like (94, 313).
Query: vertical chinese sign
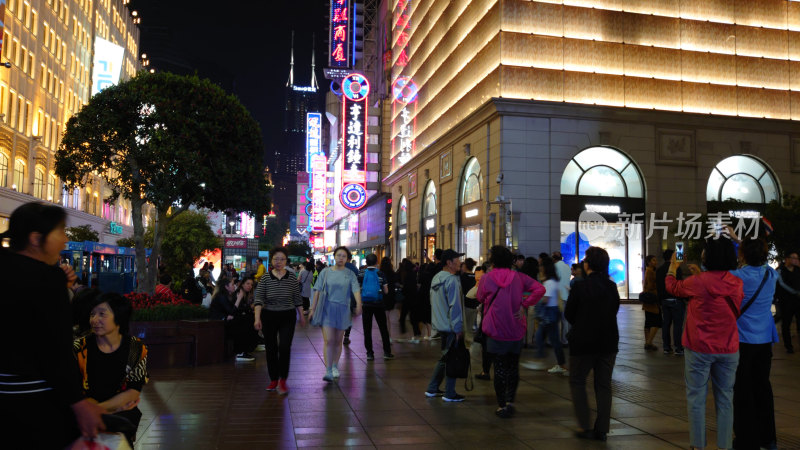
(319, 175)
(313, 137)
(404, 121)
(355, 89)
(402, 31)
(339, 51)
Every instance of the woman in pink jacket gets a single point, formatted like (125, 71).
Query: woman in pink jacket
(500, 292)
(710, 337)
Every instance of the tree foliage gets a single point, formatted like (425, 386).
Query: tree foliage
(300, 248)
(169, 141)
(273, 237)
(126, 242)
(188, 235)
(83, 233)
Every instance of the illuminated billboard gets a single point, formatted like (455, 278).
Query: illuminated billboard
(319, 176)
(355, 90)
(404, 120)
(107, 64)
(339, 55)
(313, 137)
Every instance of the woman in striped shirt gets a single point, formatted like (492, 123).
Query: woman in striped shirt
(277, 308)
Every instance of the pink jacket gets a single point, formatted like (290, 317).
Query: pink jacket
(710, 322)
(498, 319)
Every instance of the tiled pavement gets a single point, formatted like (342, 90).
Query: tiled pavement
(381, 403)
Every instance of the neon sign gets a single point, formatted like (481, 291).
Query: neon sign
(319, 177)
(340, 36)
(355, 90)
(313, 137)
(404, 120)
(402, 31)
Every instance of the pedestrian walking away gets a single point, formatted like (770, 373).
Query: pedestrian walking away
(278, 307)
(373, 289)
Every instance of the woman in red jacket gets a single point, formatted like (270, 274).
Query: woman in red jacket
(710, 337)
(503, 322)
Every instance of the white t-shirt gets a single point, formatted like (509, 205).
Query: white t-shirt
(551, 292)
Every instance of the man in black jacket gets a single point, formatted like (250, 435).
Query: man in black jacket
(672, 309)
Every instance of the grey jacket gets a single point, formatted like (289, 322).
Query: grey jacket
(447, 311)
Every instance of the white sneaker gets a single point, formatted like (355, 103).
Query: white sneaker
(413, 341)
(335, 372)
(556, 369)
(261, 348)
(533, 365)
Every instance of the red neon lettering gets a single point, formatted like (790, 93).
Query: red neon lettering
(340, 33)
(339, 15)
(402, 39)
(338, 53)
(402, 59)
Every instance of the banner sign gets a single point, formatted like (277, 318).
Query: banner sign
(340, 35)
(313, 137)
(404, 120)
(355, 90)
(319, 177)
(107, 64)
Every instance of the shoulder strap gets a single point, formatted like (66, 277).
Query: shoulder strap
(755, 295)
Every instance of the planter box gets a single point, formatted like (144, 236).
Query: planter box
(166, 346)
(209, 339)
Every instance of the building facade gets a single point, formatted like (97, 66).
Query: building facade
(528, 115)
(49, 49)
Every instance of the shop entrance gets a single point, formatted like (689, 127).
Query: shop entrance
(602, 205)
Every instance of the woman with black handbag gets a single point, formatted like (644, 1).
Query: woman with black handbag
(500, 292)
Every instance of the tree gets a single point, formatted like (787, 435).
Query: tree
(126, 242)
(169, 141)
(188, 236)
(786, 226)
(83, 233)
(300, 248)
(273, 237)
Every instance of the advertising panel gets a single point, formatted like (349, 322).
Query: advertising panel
(313, 137)
(339, 55)
(404, 120)
(319, 176)
(355, 90)
(107, 64)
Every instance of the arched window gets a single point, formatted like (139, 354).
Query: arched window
(19, 175)
(471, 189)
(602, 172)
(429, 205)
(3, 170)
(38, 182)
(744, 178)
(402, 212)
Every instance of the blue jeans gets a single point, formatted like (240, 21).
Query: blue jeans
(552, 317)
(439, 373)
(721, 370)
(673, 312)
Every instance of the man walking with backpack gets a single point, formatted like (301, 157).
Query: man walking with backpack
(373, 287)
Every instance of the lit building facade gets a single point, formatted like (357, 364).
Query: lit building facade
(49, 46)
(527, 113)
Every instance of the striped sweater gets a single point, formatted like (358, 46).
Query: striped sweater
(278, 294)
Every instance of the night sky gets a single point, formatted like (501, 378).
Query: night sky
(241, 45)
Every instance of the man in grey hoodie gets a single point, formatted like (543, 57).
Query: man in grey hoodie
(447, 317)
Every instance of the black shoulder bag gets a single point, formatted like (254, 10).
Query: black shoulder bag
(741, 312)
(480, 336)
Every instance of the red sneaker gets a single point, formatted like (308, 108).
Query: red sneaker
(283, 389)
(272, 385)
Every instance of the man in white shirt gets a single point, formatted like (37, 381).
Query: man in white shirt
(564, 275)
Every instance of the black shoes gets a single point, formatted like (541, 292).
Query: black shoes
(592, 435)
(370, 357)
(346, 340)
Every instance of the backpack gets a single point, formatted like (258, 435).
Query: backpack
(371, 287)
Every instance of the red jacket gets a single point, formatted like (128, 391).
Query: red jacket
(498, 319)
(710, 321)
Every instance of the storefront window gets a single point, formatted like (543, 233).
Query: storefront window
(430, 200)
(471, 211)
(472, 182)
(742, 178)
(609, 181)
(3, 169)
(402, 229)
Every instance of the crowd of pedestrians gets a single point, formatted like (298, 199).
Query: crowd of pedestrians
(83, 371)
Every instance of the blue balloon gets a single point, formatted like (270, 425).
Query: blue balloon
(616, 270)
(568, 247)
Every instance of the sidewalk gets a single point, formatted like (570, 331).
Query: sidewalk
(380, 404)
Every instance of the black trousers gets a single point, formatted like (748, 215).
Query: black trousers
(406, 310)
(38, 419)
(579, 368)
(753, 405)
(278, 329)
(379, 313)
(506, 377)
(240, 329)
(486, 358)
(790, 309)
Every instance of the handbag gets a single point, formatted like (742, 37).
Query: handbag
(648, 298)
(316, 319)
(479, 336)
(457, 363)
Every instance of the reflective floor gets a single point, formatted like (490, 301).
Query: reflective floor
(380, 404)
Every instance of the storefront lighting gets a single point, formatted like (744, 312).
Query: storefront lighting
(607, 209)
(402, 232)
(429, 224)
(471, 213)
(747, 214)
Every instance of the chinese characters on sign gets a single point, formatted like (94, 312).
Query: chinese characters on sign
(404, 121)
(355, 89)
(402, 31)
(313, 137)
(318, 186)
(339, 52)
(687, 225)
